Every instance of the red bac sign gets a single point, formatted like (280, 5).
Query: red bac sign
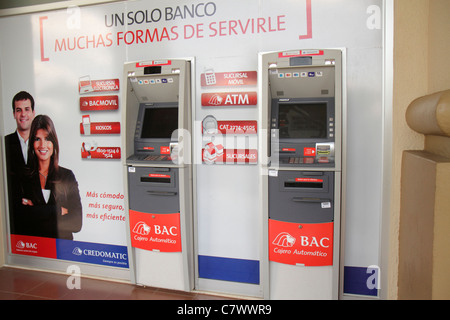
(308, 245)
(155, 232)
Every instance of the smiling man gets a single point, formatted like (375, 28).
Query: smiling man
(16, 147)
(17, 142)
(23, 113)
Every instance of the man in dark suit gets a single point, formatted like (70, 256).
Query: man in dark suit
(16, 147)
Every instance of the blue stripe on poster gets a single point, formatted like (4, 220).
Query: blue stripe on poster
(95, 253)
(228, 269)
(361, 281)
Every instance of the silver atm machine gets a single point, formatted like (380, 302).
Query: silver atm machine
(158, 172)
(302, 190)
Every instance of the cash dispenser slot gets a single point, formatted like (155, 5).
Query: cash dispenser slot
(157, 175)
(301, 185)
(310, 200)
(161, 193)
(155, 180)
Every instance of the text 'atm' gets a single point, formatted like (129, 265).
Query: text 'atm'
(302, 113)
(158, 172)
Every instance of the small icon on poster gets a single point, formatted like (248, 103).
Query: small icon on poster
(85, 84)
(93, 151)
(212, 152)
(210, 77)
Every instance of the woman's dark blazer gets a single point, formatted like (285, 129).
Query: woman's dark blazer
(45, 219)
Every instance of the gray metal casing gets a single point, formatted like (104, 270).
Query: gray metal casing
(171, 270)
(288, 281)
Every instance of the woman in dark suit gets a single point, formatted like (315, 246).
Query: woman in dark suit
(51, 200)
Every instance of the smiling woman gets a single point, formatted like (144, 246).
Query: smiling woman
(51, 205)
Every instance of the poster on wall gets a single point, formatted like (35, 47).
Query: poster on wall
(62, 142)
(45, 204)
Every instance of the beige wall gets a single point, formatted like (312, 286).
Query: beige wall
(424, 222)
(439, 46)
(421, 64)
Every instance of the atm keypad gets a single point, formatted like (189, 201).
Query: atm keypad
(306, 160)
(157, 158)
(298, 160)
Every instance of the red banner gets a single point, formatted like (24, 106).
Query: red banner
(155, 232)
(217, 154)
(308, 244)
(220, 99)
(300, 53)
(94, 152)
(221, 79)
(152, 63)
(100, 128)
(86, 85)
(99, 103)
(234, 127)
(33, 246)
(237, 127)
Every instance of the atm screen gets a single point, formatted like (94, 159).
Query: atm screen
(159, 122)
(302, 120)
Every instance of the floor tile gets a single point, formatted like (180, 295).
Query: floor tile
(23, 284)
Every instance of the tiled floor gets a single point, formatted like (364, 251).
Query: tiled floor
(21, 284)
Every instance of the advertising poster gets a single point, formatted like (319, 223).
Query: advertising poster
(71, 60)
(71, 207)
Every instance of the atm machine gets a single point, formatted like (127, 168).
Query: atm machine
(158, 172)
(302, 180)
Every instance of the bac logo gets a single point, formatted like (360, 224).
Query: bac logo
(216, 100)
(141, 228)
(26, 245)
(284, 239)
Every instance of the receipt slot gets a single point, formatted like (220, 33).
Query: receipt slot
(158, 172)
(301, 189)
